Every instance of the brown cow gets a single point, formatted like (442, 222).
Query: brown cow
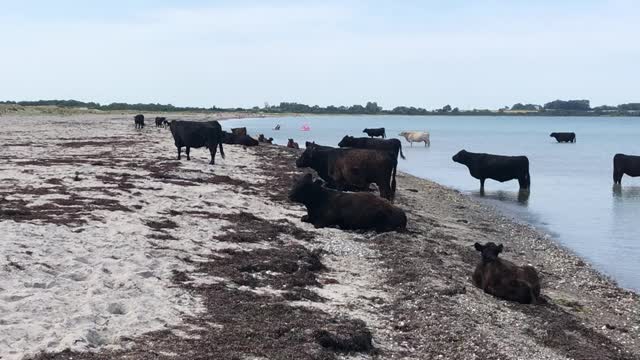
(292, 144)
(364, 211)
(239, 131)
(352, 169)
(503, 279)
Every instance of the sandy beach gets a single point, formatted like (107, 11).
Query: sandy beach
(113, 249)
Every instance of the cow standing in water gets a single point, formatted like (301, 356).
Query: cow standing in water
(375, 132)
(497, 167)
(625, 164)
(564, 136)
(416, 136)
(138, 120)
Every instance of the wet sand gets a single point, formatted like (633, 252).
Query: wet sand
(114, 249)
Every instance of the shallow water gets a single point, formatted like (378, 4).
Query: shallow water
(572, 193)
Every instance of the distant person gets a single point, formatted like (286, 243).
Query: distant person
(277, 127)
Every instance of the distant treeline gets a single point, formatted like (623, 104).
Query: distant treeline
(553, 108)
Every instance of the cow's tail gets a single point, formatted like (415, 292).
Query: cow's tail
(401, 154)
(220, 144)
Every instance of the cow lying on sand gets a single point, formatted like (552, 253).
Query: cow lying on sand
(234, 139)
(375, 132)
(503, 279)
(416, 136)
(239, 131)
(352, 169)
(496, 167)
(160, 121)
(193, 134)
(263, 139)
(349, 211)
(292, 144)
(564, 136)
(393, 145)
(138, 120)
(625, 164)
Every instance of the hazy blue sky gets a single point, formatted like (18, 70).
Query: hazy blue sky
(469, 53)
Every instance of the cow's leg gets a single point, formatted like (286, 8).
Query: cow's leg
(385, 190)
(524, 182)
(187, 150)
(411, 142)
(179, 151)
(212, 150)
(617, 176)
(482, 184)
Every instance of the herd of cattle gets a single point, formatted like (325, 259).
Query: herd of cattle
(341, 196)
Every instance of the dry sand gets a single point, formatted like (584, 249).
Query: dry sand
(111, 248)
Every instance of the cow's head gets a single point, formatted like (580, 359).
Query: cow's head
(553, 134)
(403, 133)
(489, 251)
(461, 157)
(304, 189)
(346, 141)
(306, 159)
(365, 130)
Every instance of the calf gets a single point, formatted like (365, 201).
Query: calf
(160, 121)
(138, 120)
(352, 169)
(504, 279)
(197, 134)
(564, 136)
(496, 167)
(416, 136)
(393, 145)
(349, 211)
(625, 164)
(375, 132)
(292, 144)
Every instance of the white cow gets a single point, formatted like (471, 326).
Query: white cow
(416, 136)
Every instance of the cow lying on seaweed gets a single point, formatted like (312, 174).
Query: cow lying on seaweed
(349, 211)
(504, 279)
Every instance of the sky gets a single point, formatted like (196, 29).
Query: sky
(467, 53)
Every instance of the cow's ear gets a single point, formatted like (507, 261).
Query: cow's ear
(478, 247)
(500, 247)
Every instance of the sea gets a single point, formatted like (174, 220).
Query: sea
(572, 195)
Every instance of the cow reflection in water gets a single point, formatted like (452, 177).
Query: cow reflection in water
(521, 197)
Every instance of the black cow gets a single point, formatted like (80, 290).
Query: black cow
(496, 167)
(138, 120)
(352, 169)
(503, 279)
(292, 144)
(239, 131)
(564, 136)
(263, 139)
(625, 164)
(165, 123)
(160, 121)
(375, 132)
(194, 134)
(362, 211)
(233, 139)
(393, 145)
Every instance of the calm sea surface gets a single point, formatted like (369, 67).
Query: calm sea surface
(572, 194)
